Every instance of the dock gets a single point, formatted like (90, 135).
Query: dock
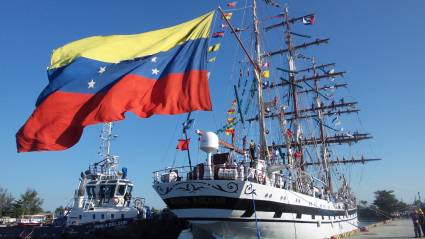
(399, 228)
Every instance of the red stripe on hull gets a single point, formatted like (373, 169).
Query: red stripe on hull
(58, 123)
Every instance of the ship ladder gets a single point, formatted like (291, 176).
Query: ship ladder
(88, 204)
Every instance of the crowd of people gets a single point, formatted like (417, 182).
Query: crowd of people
(418, 219)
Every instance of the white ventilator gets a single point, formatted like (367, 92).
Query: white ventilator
(209, 144)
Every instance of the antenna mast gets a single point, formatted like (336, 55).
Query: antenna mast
(110, 162)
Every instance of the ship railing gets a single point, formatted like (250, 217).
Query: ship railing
(172, 174)
(89, 203)
(239, 172)
(235, 172)
(186, 173)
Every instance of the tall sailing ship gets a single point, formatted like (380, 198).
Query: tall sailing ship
(278, 174)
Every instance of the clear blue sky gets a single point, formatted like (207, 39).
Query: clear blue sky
(379, 43)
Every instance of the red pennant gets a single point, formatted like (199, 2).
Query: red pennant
(232, 4)
(298, 155)
(231, 111)
(218, 34)
(230, 131)
(309, 20)
(183, 144)
(289, 133)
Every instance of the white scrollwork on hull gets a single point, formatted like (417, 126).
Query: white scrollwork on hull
(192, 187)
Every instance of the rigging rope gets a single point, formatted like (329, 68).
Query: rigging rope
(172, 138)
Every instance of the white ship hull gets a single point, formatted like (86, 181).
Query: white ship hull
(226, 209)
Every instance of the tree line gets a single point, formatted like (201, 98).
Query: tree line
(384, 206)
(28, 203)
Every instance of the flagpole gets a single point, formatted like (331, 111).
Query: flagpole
(188, 147)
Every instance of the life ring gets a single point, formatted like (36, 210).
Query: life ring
(115, 200)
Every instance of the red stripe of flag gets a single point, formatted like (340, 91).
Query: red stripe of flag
(58, 122)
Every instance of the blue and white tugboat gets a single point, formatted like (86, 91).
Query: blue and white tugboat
(104, 195)
(103, 201)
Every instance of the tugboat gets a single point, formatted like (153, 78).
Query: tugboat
(102, 202)
(104, 194)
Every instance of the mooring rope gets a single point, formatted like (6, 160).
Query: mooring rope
(255, 215)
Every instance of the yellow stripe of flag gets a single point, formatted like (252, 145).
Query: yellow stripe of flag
(116, 48)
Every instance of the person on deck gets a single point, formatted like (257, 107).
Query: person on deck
(101, 195)
(127, 198)
(275, 154)
(252, 148)
(421, 220)
(416, 224)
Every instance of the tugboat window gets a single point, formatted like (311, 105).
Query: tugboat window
(313, 216)
(91, 193)
(122, 216)
(112, 216)
(129, 188)
(80, 216)
(107, 191)
(94, 216)
(103, 216)
(299, 215)
(121, 190)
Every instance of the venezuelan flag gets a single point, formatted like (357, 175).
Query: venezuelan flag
(98, 79)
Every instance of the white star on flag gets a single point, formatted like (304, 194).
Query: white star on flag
(154, 59)
(102, 69)
(155, 71)
(91, 83)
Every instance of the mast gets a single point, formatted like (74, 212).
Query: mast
(186, 138)
(263, 140)
(298, 85)
(324, 146)
(292, 79)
